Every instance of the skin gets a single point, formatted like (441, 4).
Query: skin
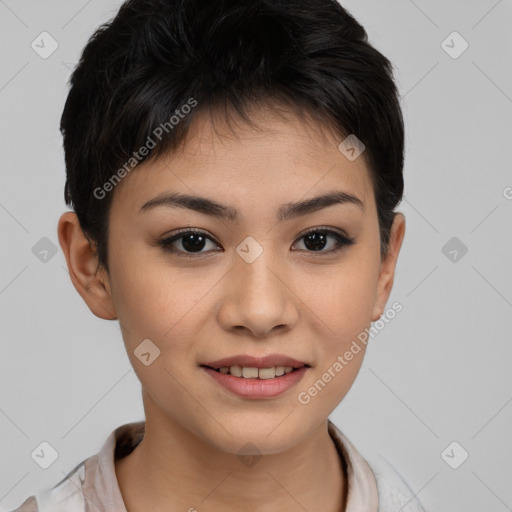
(291, 300)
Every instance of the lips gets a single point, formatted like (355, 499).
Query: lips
(248, 387)
(268, 361)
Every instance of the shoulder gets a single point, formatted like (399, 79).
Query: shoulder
(374, 484)
(29, 505)
(65, 496)
(92, 484)
(394, 492)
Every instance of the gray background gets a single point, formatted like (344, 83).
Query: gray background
(439, 372)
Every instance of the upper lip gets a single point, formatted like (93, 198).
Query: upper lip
(267, 361)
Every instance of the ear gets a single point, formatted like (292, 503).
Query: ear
(388, 265)
(90, 282)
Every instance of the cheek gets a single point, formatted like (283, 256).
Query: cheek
(343, 297)
(166, 304)
(156, 303)
(145, 300)
(342, 305)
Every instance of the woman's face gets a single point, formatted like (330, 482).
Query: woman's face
(255, 285)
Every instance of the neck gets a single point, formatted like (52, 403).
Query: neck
(172, 468)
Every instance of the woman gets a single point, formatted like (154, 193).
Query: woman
(233, 170)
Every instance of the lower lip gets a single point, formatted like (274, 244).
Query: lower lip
(257, 388)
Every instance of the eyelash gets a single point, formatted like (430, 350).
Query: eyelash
(166, 244)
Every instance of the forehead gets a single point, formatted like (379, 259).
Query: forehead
(276, 160)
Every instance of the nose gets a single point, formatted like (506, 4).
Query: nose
(258, 298)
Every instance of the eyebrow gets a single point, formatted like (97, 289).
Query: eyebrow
(285, 212)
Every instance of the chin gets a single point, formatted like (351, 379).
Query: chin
(251, 436)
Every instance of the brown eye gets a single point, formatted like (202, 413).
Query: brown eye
(316, 240)
(187, 243)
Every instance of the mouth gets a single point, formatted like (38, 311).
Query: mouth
(256, 378)
(253, 372)
(245, 366)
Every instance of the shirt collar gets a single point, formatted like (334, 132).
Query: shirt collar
(362, 485)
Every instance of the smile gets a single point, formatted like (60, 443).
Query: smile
(252, 382)
(251, 372)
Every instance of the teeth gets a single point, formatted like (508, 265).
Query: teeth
(250, 372)
(236, 371)
(266, 373)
